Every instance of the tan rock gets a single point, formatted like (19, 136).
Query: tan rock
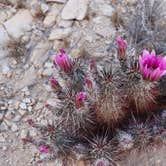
(19, 24)
(60, 33)
(75, 9)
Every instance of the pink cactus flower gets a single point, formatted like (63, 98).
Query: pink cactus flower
(80, 98)
(44, 149)
(63, 62)
(152, 67)
(54, 83)
(122, 47)
(88, 82)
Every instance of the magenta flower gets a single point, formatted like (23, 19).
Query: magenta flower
(152, 67)
(122, 47)
(63, 62)
(44, 149)
(80, 98)
(54, 83)
(88, 83)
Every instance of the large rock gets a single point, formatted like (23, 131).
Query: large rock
(20, 23)
(75, 9)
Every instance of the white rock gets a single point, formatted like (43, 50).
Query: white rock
(23, 134)
(75, 9)
(23, 106)
(30, 108)
(4, 38)
(19, 23)
(58, 1)
(27, 100)
(60, 33)
(106, 10)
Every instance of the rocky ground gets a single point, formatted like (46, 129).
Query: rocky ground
(31, 32)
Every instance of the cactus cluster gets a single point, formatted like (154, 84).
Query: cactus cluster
(105, 111)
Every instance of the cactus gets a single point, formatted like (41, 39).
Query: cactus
(119, 95)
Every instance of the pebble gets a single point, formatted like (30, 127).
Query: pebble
(30, 108)
(14, 127)
(75, 9)
(23, 106)
(27, 100)
(23, 134)
(60, 33)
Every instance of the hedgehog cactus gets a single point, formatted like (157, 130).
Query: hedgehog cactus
(92, 97)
